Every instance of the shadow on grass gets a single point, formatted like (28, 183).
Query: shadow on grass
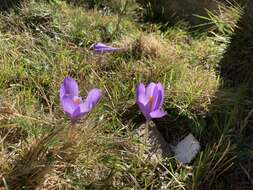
(7, 5)
(28, 170)
(236, 65)
(235, 116)
(168, 125)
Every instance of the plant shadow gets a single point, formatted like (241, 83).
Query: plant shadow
(28, 171)
(232, 108)
(168, 126)
(8, 5)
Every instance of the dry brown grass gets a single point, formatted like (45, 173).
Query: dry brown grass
(148, 45)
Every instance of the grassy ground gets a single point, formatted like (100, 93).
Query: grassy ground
(43, 42)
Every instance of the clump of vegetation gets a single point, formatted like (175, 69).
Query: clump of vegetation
(43, 42)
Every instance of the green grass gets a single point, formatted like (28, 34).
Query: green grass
(42, 43)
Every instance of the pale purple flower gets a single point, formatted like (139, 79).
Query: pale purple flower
(103, 48)
(150, 100)
(72, 103)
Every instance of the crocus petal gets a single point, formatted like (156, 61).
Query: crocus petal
(157, 114)
(155, 97)
(99, 45)
(150, 89)
(69, 88)
(103, 50)
(143, 99)
(158, 102)
(84, 108)
(144, 109)
(140, 90)
(76, 114)
(69, 106)
(159, 97)
(100, 48)
(93, 97)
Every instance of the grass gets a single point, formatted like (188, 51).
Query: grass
(41, 43)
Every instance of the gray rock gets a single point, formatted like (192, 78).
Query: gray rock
(187, 149)
(156, 147)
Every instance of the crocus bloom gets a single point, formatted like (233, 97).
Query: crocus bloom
(150, 100)
(72, 103)
(102, 48)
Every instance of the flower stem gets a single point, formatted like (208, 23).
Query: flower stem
(146, 131)
(71, 132)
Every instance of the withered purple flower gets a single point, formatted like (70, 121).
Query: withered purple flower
(103, 48)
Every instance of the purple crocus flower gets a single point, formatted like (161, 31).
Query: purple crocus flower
(103, 48)
(150, 100)
(72, 103)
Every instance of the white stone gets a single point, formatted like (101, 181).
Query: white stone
(187, 149)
